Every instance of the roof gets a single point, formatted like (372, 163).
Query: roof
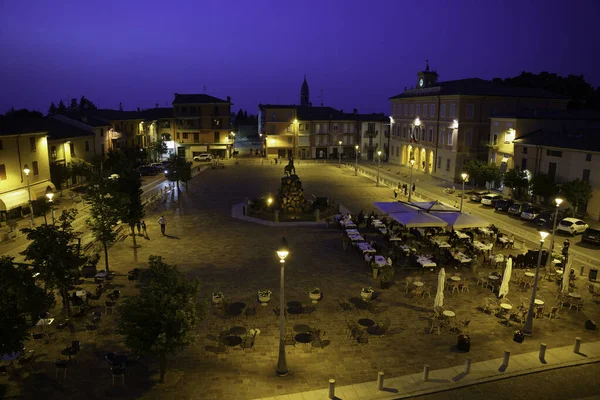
(87, 118)
(575, 139)
(54, 128)
(262, 106)
(196, 99)
(478, 87)
(157, 113)
(552, 114)
(381, 117)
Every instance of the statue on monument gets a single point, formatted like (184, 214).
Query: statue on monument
(289, 169)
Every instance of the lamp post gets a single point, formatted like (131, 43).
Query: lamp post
(412, 164)
(282, 253)
(465, 176)
(378, 165)
(340, 154)
(356, 162)
(26, 170)
(50, 195)
(528, 328)
(558, 202)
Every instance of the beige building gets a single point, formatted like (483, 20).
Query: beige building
(22, 145)
(441, 125)
(98, 127)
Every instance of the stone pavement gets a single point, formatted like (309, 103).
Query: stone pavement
(238, 258)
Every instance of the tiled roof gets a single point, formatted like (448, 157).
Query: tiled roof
(576, 139)
(553, 114)
(196, 99)
(55, 129)
(373, 117)
(88, 118)
(478, 87)
(157, 113)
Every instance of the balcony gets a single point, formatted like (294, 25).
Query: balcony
(189, 127)
(371, 132)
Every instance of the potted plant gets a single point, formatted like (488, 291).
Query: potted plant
(264, 296)
(315, 294)
(217, 297)
(387, 275)
(367, 293)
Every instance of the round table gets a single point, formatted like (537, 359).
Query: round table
(448, 313)
(529, 274)
(375, 330)
(539, 302)
(418, 283)
(494, 277)
(455, 278)
(366, 322)
(506, 306)
(302, 328)
(237, 331)
(236, 308)
(305, 337)
(559, 271)
(575, 295)
(232, 341)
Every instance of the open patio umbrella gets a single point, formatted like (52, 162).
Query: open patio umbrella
(418, 219)
(566, 273)
(460, 220)
(506, 278)
(439, 295)
(435, 205)
(390, 207)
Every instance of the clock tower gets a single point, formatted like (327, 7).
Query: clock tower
(426, 78)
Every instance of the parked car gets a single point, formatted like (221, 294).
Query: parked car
(203, 157)
(516, 208)
(546, 218)
(491, 199)
(530, 213)
(159, 167)
(476, 195)
(591, 236)
(146, 170)
(504, 204)
(572, 226)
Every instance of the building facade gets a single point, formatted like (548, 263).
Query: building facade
(441, 125)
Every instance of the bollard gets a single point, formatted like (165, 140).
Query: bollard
(332, 388)
(542, 351)
(506, 358)
(467, 365)
(577, 346)
(426, 373)
(380, 381)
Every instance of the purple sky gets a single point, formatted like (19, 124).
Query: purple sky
(357, 52)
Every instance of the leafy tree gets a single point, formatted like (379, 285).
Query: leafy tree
(74, 106)
(130, 185)
(158, 148)
(543, 185)
(577, 192)
(85, 104)
(61, 107)
(491, 172)
(106, 210)
(83, 168)
(21, 297)
(52, 110)
(41, 206)
(54, 253)
(516, 180)
(23, 113)
(162, 318)
(179, 170)
(59, 173)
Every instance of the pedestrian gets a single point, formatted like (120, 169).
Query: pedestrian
(396, 192)
(139, 227)
(163, 224)
(144, 229)
(414, 187)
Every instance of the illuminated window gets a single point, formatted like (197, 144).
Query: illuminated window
(36, 170)
(32, 144)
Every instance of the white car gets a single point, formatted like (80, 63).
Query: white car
(529, 213)
(490, 199)
(203, 157)
(572, 226)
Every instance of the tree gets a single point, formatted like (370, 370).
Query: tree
(55, 254)
(59, 173)
(23, 113)
(158, 148)
(74, 106)
(83, 168)
(106, 209)
(21, 297)
(491, 172)
(162, 318)
(130, 185)
(179, 170)
(516, 180)
(543, 185)
(85, 104)
(61, 107)
(52, 110)
(577, 192)
(41, 206)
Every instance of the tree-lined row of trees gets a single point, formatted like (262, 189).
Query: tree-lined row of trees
(82, 105)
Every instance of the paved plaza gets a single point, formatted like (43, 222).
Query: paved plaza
(238, 258)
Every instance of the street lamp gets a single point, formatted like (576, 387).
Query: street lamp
(340, 154)
(282, 252)
(26, 170)
(465, 176)
(50, 195)
(528, 328)
(295, 133)
(412, 164)
(558, 202)
(378, 165)
(356, 162)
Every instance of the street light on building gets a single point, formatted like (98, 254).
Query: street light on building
(528, 328)
(282, 252)
(340, 154)
(26, 170)
(378, 165)
(558, 201)
(412, 164)
(464, 176)
(50, 195)
(356, 161)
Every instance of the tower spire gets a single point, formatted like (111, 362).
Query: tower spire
(304, 94)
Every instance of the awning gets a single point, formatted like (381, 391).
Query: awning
(432, 206)
(20, 197)
(390, 207)
(215, 147)
(418, 219)
(459, 220)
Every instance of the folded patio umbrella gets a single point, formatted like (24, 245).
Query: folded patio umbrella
(439, 294)
(506, 278)
(566, 273)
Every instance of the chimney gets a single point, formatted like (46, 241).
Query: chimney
(355, 111)
(228, 99)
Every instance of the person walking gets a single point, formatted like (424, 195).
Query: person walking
(139, 227)
(414, 187)
(163, 224)
(396, 192)
(143, 224)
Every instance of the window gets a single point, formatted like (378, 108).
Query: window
(101, 132)
(451, 110)
(404, 133)
(432, 110)
(289, 140)
(439, 163)
(2, 172)
(406, 109)
(424, 110)
(552, 170)
(442, 135)
(217, 137)
(448, 164)
(186, 135)
(335, 127)
(495, 139)
(53, 152)
(34, 166)
(272, 129)
(318, 128)
(72, 148)
(418, 110)
(588, 157)
(32, 144)
(87, 146)
(273, 117)
(524, 150)
(443, 111)
(450, 138)
(177, 135)
(586, 175)
(301, 127)
(412, 110)
(470, 110)
(289, 128)
(468, 138)
(102, 149)
(431, 135)
(554, 153)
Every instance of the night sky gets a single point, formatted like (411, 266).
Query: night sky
(357, 52)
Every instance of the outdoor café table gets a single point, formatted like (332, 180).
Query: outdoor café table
(405, 248)
(485, 231)
(383, 231)
(462, 258)
(426, 262)
(366, 247)
(302, 328)
(366, 322)
(232, 341)
(347, 223)
(539, 302)
(494, 277)
(442, 244)
(380, 261)
(455, 278)
(356, 238)
(506, 306)
(45, 322)
(482, 246)
(352, 232)
(237, 331)
(575, 295)
(449, 314)
(304, 337)
(377, 224)
(395, 239)
(504, 240)
(81, 294)
(529, 274)
(101, 274)
(559, 271)
(375, 330)
(461, 235)
(418, 283)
